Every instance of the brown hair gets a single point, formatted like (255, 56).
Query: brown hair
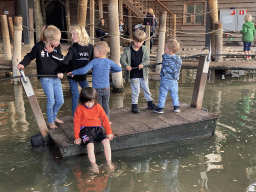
(88, 94)
(82, 34)
(173, 44)
(139, 35)
(102, 46)
(50, 32)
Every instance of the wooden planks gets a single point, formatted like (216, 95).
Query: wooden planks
(143, 129)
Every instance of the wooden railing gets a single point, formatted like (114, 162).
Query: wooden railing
(158, 7)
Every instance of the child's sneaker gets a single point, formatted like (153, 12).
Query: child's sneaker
(176, 109)
(159, 110)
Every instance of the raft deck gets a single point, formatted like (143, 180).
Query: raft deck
(142, 129)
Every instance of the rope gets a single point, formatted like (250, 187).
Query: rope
(13, 77)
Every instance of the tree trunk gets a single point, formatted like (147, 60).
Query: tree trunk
(39, 23)
(81, 12)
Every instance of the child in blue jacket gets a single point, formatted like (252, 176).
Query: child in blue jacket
(169, 74)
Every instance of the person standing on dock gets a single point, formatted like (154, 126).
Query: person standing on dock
(133, 59)
(89, 117)
(248, 35)
(78, 56)
(48, 56)
(101, 66)
(169, 74)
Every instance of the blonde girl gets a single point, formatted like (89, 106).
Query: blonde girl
(78, 56)
(48, 56)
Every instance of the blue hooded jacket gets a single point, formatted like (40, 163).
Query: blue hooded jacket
(171, 66)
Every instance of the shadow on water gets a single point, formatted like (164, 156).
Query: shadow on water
(225, 162)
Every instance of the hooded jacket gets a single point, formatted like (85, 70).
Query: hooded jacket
(171, 66)
(248, 31)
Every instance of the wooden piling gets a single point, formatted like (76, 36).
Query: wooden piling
(115, 43)
(218, 41)
(17, 46)
(67, 8)
(213, 9)
(6, 38)
(39, 23)
(82, 12)
(92, 20)
(120, 8)
(31, 28)
(161, 39)
(130, 22)
(174, 26)
(100, 9)
(148, 37)
(200, 82)
(10, 23)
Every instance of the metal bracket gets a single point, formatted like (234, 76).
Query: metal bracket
(207, 60)
(26, 84)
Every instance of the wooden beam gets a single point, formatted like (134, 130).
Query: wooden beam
(82, 12)
(6, 38)
(92, 20)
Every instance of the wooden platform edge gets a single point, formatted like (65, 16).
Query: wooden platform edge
(193, 131)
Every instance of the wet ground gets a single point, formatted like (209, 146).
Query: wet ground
(223, 163)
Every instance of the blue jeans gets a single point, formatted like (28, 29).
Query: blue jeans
(136, 83)
(53, 91)
(165, 86)
(103, 98)
(75, 93)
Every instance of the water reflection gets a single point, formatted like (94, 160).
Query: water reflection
(225, 162)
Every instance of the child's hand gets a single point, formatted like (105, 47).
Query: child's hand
(60, 75)
(20, 66)
(70, 73)
(110, 137)
(78, 141)
(49, 48)
(140, 66)
(129, 68)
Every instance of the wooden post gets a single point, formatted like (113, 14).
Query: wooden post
(115, 43)
(161, 39)
(148, 37)
(31, 28)
(19, 104)
(213, 9)
(10, 22)
(130, 22)
(67, 8)
(92, 16)
(24, 10)
(218, 41)
(200, 82)
(35, 108)
(39, 23)
(121, 16)
(17, 47)
(6, 38)
(174, 27)
(100, 9)
(82, 12)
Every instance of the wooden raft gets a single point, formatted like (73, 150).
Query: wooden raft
(142, 129)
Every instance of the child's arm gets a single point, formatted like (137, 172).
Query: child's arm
(114, 67)
(105, 122)
(28, 58)
(83, 70)
(124, 61)
(77, 125)
(56, 54)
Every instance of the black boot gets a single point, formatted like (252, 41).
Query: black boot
(135, 108)
(151, 105)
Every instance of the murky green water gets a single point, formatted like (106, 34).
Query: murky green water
(225, 162)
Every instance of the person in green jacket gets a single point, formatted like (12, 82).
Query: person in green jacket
(248, 35)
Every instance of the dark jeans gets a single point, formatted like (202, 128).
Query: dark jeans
(100, 33)
(103, 98)
(151, 41)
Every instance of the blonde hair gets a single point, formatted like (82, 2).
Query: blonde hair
(151, 11)
(139, 35)
(173, 45)
(247, 18)
(102, 46)
(82, 34)
(50, 32)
